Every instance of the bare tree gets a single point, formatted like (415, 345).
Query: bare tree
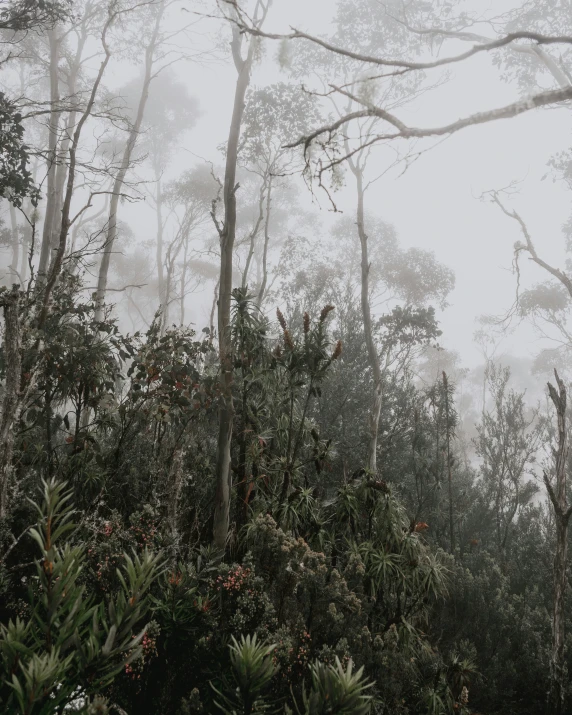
(16, 322)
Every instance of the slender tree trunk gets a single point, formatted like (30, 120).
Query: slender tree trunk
(562, 514)
(213, 310)
(66, 221)
(264, 282)
(51, 196)
(11, 400)
(449, 465)
(159, 247)
(62, 152)
(254, 234)
(29, 229)
(183, 282)
(124, 167)
(24, 255)
(15, 244)
(174, 490)
(227, 238)
(60, 180)
(375, 408)
(241, 475)
(61, 173)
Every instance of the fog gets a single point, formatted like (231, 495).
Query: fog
(286, 295)
(435, 203)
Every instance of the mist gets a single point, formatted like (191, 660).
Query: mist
(285, 356)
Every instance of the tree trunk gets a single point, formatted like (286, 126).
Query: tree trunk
(375, 409)
(213, 309)
(227, 238)
(159, 247)
(11, 400)
(51, 196)
(449, 465)
(254, 234)
(66, 219)
(124, 167)
(15, 245)
(183, 284)
(30, 214)
(174, 489)
(27, 239)
(562, 514)
(264, 283)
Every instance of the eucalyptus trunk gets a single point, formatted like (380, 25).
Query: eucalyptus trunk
(51, 195)
(449, 464)
(159, 246)
(227, 239)
(264, 282)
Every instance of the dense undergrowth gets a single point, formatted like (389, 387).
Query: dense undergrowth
(337, 592)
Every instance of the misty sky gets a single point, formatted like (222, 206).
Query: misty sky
(435, 204)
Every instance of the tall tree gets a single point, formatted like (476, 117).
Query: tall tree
(562, 512)
(152, 42)
(227, 233)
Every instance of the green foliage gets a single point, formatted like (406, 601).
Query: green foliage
(252, 670)
(15, 177)
(336, 586)
(72, 646)
(336, 690)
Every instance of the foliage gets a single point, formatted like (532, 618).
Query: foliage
(424, 588)
(72, 646)
(15, 177)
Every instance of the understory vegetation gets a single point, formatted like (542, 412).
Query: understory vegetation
(338, 590)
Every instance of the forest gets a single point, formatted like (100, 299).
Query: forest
(285, 357)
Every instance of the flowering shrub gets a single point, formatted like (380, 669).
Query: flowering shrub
(244, 604)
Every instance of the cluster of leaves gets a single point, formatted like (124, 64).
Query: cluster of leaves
(72, 646)
(15, 177)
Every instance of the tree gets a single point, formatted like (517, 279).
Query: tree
(402, 68)
(562, 513)
(227, 233)
(170, 111)
(507, 442)
(189, 198)
(151, 42)
(272, 115)
(29, 15)
(15, 177)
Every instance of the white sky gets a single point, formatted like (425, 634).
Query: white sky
(435, 204)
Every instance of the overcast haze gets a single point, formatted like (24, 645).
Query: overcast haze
(436, 203)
